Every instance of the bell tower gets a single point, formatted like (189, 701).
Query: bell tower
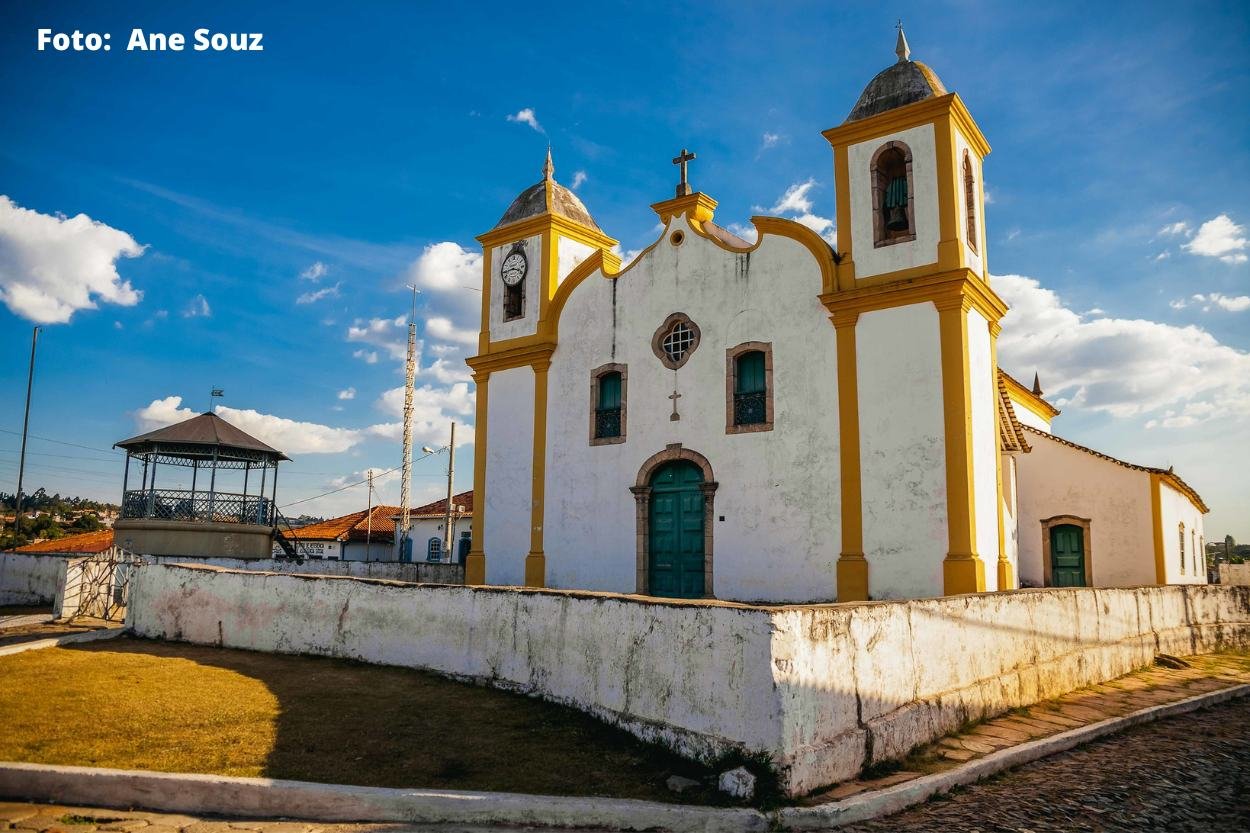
(917, 327)
(545, 233)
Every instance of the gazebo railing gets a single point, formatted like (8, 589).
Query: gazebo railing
(204, 507)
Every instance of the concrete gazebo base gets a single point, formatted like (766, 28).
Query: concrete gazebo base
(148, 536)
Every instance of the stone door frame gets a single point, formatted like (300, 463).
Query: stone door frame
(1086, 546)
(642, 513)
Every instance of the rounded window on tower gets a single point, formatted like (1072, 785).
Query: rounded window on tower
(675, 340)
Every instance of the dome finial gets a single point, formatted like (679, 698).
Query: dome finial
(901, 49)
(549, 170)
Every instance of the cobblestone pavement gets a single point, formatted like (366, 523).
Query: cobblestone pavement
(1185, 773)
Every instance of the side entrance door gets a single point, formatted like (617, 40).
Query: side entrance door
(1067, 556)
(675, 542)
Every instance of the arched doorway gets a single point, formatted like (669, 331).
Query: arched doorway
(675, 567)
(674, 494)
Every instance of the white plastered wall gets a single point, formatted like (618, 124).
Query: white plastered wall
(1056, 479)
(871, 261)
(973, 253)
(778, 490)
(1027, 417)
(902, 450)
(509, 467)
(569, 253)
(983, 389)
(527, 324)
(1175, 509)
(1011, 513)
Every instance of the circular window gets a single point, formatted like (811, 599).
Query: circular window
(675, 340)
(677, 237)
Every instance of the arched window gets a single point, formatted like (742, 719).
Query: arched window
(434, 549)
(1182, 539)
(749, 394)
(607, 404)
(893, 195)
(970, 201)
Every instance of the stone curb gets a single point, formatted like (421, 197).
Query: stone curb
(67, 639)
(910, 793)
(21, 620)
(265, 797)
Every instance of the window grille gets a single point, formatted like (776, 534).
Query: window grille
(750, 389)
(434, 550)
(678, 342)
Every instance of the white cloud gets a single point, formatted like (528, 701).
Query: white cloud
(198, 308)
(1173, 229)
(526, 116)
(287, 435)
(989, 195)
(348, 393)
(367, 356)
(314, 273)
(51, 266)
(770, 140)
(747, 231)
(1220, 237)
(324, 292)
(444, 329)
(1122, 367)
(433, 411)
(1179, 303)
(446, 371)
(1238, 303)
(579, 179)
(1164, 255)
(796, 203)
(390, 334)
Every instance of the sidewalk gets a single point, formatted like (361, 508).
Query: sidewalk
(1156, 686)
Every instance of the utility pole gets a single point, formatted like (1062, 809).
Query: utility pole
(369, 517)
(21, 465)
(451, 469)
(410, 372)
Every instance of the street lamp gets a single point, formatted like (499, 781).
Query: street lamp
(450, 448)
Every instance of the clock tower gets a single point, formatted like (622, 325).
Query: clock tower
(540, 239)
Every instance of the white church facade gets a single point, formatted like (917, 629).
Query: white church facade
(783, 421)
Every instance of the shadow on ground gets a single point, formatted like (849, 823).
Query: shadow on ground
(140, 704)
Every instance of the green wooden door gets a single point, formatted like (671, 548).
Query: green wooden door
(1067, 556)
(675, 543)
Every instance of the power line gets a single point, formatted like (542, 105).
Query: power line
(61, 442)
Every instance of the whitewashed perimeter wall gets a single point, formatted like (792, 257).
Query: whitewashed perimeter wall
(822, 689)
(1056, 479)
(776, 529)
(28, 579)
(902, 450)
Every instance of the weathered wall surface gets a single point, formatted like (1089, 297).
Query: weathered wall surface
(822, 689)
(28, 579)
(1235, 574)
(421, 572)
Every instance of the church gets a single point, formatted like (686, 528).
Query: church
(786, 420)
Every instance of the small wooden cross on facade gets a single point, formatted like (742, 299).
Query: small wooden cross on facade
(674, 396)
(683, 187)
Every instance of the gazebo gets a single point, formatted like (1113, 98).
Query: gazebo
(202, 520)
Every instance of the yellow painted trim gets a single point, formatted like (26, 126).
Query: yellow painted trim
(962, 570)
(1156, 518)
(852, 569)
(907, 116)
(842, 184)
(939, 287)
(698, 208)
(536, 559)
(781, 227)
(950, 248)
(541, 224)
(1028, 400)
(1183, 488)
(475, 561)
(1005, 578)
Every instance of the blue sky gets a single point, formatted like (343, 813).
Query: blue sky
(255, 216)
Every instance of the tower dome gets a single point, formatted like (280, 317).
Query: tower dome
(547, 197)
(905, 82)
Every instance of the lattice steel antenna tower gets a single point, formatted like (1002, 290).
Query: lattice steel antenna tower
(410, 372)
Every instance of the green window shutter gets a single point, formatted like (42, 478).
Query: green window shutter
(610, 390)
(749, 375)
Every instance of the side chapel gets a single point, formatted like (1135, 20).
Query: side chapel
(785, 420)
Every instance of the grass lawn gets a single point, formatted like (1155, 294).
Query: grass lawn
(139, 704)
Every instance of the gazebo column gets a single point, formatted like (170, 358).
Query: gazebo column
(273, 501)
(195, 469)
(212, 489)
(152, 493)
(125, 480)
(247, 467)
(264, 469)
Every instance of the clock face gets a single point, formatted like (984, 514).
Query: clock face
(513, 269)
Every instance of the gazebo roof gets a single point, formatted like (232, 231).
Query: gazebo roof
(198, 437)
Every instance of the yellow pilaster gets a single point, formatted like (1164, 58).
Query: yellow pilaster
(536, 559)
(475, 561)
(852, 566)
(1156, 520)
(962, 570)
(1006, 581)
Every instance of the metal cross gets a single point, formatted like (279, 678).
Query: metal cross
(674, 396)
(683, 187)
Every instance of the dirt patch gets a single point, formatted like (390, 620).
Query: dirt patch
(139, 704)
